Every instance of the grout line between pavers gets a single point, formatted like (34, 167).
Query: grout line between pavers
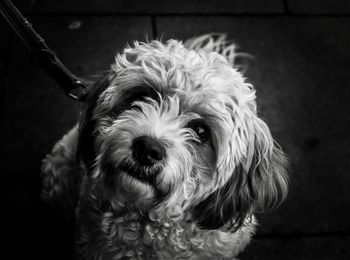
(224, 14)
(286, 7)
(154, 26)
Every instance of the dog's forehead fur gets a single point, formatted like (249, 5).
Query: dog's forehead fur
(171, 68)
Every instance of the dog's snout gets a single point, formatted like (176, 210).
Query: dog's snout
(147, 150)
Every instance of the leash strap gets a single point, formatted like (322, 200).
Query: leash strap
(43, 56)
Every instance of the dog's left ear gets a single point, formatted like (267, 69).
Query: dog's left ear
(258, 183)
(87, 125)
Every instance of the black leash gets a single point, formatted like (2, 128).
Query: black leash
(43, 56)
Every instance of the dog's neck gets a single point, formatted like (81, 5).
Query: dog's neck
(117, 229)
(130, 231)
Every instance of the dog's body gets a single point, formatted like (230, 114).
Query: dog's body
(170, 160)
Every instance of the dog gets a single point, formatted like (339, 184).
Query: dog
(169, 159)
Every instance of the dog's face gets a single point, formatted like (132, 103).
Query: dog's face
(173, 130)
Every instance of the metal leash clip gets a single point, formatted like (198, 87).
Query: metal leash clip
(42, 55)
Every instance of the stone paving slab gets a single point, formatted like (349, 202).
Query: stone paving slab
(320, 248)
(319, 7)
(301, 75)
(36, 114)
(155, 6)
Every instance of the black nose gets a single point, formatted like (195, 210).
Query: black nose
(147, 150)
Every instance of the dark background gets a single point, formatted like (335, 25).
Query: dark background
(301, 73)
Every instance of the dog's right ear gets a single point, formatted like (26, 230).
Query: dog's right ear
(259, 182)
(86, 145)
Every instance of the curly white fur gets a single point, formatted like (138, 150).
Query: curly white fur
(198, 201)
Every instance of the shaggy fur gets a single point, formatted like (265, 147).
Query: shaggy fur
(170, 159)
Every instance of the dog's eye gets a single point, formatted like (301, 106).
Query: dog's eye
(201, 129)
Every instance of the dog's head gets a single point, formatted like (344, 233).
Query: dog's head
(173, 130)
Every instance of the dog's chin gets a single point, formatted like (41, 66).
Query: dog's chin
(134, 191)
(138, 186)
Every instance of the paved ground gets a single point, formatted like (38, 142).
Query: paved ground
(301, 73)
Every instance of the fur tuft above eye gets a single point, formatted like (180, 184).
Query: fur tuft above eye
(130, 96)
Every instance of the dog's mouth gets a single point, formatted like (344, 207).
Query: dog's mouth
(145, 174)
